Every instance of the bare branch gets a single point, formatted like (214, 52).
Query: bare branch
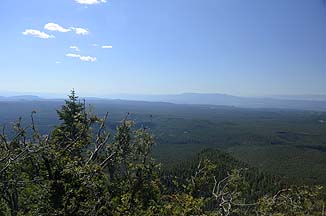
(100, 140)
(98, 148)
(104, 163)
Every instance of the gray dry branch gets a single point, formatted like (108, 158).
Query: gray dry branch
(226, 198)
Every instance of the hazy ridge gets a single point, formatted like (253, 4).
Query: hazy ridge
(298, 102)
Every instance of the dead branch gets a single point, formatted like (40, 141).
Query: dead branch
(104, 163)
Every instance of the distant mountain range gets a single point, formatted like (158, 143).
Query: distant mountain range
(20, 98)
(280, 102)
(299, 102)
(300, 97)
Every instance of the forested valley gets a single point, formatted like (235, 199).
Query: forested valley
(83, 168)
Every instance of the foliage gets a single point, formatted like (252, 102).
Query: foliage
(78, 171)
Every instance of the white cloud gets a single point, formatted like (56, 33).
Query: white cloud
(75, 48)
(55, 27)
(107, 47)
(80, 31)
(72, 55)
(95, 45)
(90, 2)
(57, 62)
(59, 28)
(87, 58)
(82, 58)
(37, 33)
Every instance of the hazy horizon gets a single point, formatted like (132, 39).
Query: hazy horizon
(127, 96)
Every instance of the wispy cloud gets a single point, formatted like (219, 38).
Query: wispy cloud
(82, 58)
(87, 58)
(58, 62)
(90, 2)
(107, 47)
(59, 28)
(55, 27)
(37, 33)
(80, 31)
(72, 55)
(95, 45)
(76, 48)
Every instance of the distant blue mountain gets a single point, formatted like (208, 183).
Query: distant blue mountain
(277, 102)
(300, 97)
(230, 100)
(20, 98)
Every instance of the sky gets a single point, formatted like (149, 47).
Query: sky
(102, 47)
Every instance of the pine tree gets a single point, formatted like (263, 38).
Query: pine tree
(73, 133)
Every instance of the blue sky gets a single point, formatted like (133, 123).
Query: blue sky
(250, 47)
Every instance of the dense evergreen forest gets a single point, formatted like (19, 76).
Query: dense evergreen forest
(283, 142)
(83, 168)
